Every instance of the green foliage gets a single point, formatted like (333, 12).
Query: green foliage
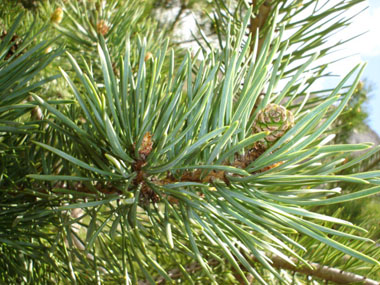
(139, 164)
(354, 115)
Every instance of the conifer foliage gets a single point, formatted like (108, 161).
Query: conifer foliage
(127, 159)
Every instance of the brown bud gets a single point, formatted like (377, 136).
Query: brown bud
(102, 27)
(146, 145)
(148, 56)
(173, 200)
(272, 166)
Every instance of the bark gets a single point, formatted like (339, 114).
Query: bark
(258, 22)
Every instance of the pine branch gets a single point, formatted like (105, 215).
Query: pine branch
(319, 271)
(259, 21)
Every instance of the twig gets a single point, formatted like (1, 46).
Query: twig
(179, 14)
(76, 213)
(176, 273)
(191, 40)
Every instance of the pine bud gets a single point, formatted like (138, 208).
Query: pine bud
(359, 86)
(48, 49)
(36, 114)
(274, 119)
(57, 16)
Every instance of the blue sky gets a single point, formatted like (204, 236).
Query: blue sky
(365, 48)
(372, 72)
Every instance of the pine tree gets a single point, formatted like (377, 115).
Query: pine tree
(127, 159)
